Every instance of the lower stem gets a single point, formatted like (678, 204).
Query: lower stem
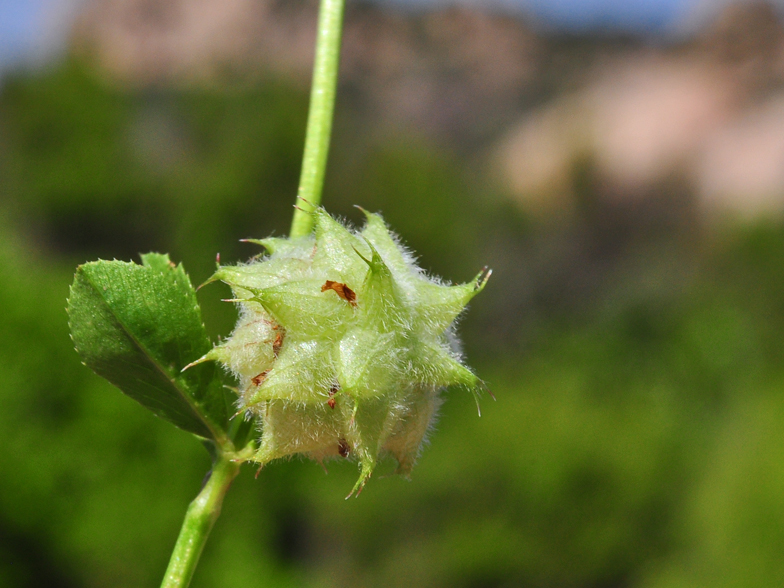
(199, 520)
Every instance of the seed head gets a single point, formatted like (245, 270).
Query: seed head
(343, 345)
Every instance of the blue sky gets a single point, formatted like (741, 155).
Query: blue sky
(585, 14)
(17, 20)
(636, 14)
(29, 27)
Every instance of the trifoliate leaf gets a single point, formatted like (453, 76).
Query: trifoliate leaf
(138, 327)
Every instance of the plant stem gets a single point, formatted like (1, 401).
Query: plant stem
(205, 508)
(199, 519)
(322, 106)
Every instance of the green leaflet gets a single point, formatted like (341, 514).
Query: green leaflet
(138, 327)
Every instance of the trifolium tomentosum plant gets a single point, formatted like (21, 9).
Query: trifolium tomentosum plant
(341, 348)
(343, 345)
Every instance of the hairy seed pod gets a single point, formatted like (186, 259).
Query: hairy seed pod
(343, 345)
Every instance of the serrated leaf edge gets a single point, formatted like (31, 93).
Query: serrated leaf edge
(218, 435)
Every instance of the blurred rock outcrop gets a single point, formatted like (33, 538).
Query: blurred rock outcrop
(456, 72)
(640, 120)
(705, 113)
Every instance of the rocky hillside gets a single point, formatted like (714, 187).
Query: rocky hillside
(456, 71)
(706, 113)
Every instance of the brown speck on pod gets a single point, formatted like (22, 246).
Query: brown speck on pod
(257, 380)
(332, 391)
(341, 290)
(277, 344)
(343, 448)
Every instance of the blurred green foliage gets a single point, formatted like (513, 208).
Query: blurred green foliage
(636, 440)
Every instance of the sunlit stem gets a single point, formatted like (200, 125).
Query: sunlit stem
(199, 520)
(322, 106)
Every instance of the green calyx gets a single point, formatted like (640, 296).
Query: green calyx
(343, 345)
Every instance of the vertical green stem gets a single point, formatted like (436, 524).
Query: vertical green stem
(199, 519)
(205, 508)
(322, 106)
